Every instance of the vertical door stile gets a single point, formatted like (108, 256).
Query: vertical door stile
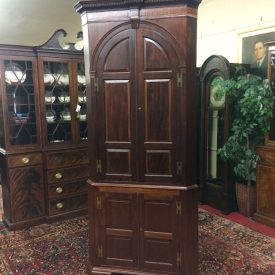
(139, 60)
(134, 102)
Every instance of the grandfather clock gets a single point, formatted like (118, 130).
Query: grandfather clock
(140, 60)
(216, 179)
(265, 177)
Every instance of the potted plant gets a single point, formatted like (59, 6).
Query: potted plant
(251, 103)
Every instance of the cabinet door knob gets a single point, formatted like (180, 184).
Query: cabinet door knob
(58, 176)
(59, 205)
(25, 160)
(59, 190)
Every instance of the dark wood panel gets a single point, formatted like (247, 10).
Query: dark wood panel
(66, 158)
(117, 110)
(159, 255)
(119, 229)
(26, 193)
(159, 225)
(120, 251)
(155, 56)
(158, 110)
(118, 161)
(158, 162)
(121, 212)
(114, 62)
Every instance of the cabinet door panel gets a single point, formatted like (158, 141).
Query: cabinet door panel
(117, 108)
(159, 234)
(119, 229)
(116, 103)
(137, 137)
(27, 193)
(157, 67)
(158, 110)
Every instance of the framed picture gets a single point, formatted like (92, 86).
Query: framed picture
(253, 49)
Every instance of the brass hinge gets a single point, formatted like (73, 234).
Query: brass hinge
(179, 80)
(178, 208)
(98, 166)
(96, 85)
(179, 168)
(98, 203)
(99, 251)
(179, 260)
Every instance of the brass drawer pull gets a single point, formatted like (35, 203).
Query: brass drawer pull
(59, 190)
(58, 176)
(25, 160)
(59, 205)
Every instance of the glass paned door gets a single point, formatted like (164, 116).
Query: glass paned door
(20, 102)
(57, 102)
(215, 133)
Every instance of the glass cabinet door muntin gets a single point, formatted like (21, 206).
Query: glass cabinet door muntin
(20, 91)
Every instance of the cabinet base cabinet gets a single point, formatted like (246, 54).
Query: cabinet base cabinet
(43, 186)
(265, 187)
(216, 196)
(142, 229)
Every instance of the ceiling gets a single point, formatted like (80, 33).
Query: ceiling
(32, 22)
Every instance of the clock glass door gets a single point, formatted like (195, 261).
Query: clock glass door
(215, 131)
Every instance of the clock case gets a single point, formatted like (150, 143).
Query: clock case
(216, 182)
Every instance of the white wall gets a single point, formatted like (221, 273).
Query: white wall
(222, 24)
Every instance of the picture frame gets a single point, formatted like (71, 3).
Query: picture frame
(250, 43)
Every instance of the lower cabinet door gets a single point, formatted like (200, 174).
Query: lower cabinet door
(26, 193)
(117, 230)
(134, 230)
(159, 243)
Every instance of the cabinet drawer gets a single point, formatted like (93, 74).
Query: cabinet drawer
(60, 206)
(68, 174)
(68, 158)
(25, 160)
(63, 189)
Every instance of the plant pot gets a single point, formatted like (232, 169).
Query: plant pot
(246, 199)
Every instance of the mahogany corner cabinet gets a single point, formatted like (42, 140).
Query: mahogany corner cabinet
(140, 62)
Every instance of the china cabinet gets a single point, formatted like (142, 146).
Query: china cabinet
(265, 176)
(141, 64)
(216, 179)
(43, 132)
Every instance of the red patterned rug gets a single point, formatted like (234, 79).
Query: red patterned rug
(225, 247)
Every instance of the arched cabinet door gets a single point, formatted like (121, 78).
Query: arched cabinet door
(217, 185)
(136, 74)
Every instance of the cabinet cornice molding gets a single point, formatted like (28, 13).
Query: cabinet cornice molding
(122, 4)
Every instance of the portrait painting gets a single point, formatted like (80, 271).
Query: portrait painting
(254, 51)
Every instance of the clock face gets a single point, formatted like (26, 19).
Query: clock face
(216, 99)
